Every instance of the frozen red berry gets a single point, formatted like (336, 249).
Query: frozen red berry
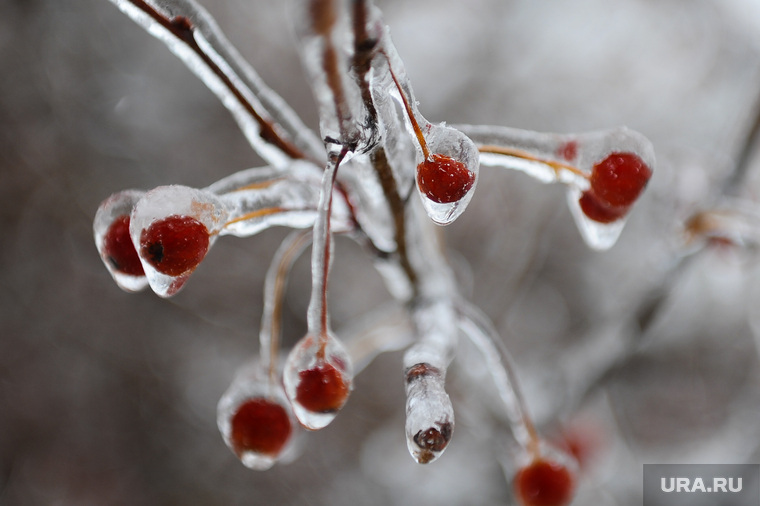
(616, 182)
(322, 389)
(619, 179)
(119, 249)
(260, 426)
(443, 179)
(174, 245)
(597, 211)
(544, 483)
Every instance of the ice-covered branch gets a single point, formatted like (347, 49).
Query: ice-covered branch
(272, 128)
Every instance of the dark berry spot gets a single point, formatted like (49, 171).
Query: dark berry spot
(174, 245)
(619, 179)
(443, 179)
(260, 426)
(544, 483)
(434, 439)
(322, 389)
(119, 249)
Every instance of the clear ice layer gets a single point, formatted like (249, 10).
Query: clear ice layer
(251, 383)
(447, 141)
(567, 159)
(167, 201)
(304, 357)
(257, 199)
(117, 205)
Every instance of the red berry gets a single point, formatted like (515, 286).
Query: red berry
(443, 179)
(321, 389)
(597, 211)
(544, 483)
(568, 150)
(260, 426)
(174, 245)
(119, 249)
(619, 179)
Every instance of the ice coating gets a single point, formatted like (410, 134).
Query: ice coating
(370, 208)
(318, 377)
(447, 161)
(479, 330)
(325, 36)
(449, 142)
(567, 159)
(271, 127)
(735, 222)
(114, 207)
(286, 202)
(546, 476)
(257, 447)
(264, 197)
(429, 413)
(167, 202)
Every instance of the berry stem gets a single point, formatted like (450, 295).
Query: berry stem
(254, 214)
(274, 291)
(409, 112)
(317, 319)
(558, 167)
(484, 336)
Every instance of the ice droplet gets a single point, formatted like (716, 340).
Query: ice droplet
(182, 214)
(318, 378)
(256, 420)
(597, 235)
(458, 160)
(111, 231)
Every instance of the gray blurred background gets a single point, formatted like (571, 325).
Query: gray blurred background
(110, 398)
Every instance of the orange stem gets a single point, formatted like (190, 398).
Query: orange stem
(518, 153)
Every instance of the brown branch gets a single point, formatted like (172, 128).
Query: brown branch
(364, 51)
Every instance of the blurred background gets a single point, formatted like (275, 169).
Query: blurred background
(110, 398)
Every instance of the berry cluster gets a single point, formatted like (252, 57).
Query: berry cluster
(371, 125)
